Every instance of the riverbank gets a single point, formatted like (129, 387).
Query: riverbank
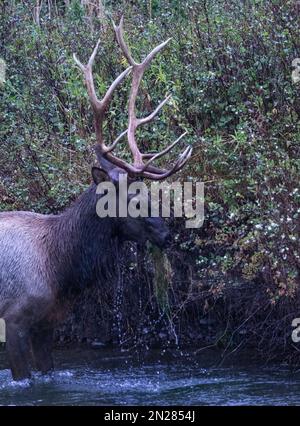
(234, 318)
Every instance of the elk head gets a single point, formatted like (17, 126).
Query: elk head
(111, 166)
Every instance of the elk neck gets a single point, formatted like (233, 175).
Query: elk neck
(84, 245)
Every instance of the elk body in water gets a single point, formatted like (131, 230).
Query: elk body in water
(47, 260)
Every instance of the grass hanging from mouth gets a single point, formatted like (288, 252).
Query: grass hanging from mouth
(162, 279)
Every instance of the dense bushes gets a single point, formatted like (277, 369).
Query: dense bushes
(229, 70)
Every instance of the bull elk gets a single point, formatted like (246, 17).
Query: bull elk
(47, 260)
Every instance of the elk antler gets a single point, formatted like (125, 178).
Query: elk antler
(139, 167)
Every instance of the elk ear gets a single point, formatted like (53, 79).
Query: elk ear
(99, 175)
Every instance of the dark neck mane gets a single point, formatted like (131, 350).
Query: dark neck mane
(86, 246)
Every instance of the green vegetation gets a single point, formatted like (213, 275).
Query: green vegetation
(229, 69)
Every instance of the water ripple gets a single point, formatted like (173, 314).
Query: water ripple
(88, 378)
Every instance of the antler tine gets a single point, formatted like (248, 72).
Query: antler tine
(154, 52)
(99, 106)
(114, 144)
(180, 163)
(143, 121)
(183, 158)
(151, 116)
(93, 55)
(119, 30)
(78, 63)
(88, 76)
(165, 151)
(91, 60)
(107, 98)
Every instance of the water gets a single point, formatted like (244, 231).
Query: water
(98, 377)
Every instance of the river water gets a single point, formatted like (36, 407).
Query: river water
(101, 377)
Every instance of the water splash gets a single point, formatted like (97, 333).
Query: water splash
(106, 378)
